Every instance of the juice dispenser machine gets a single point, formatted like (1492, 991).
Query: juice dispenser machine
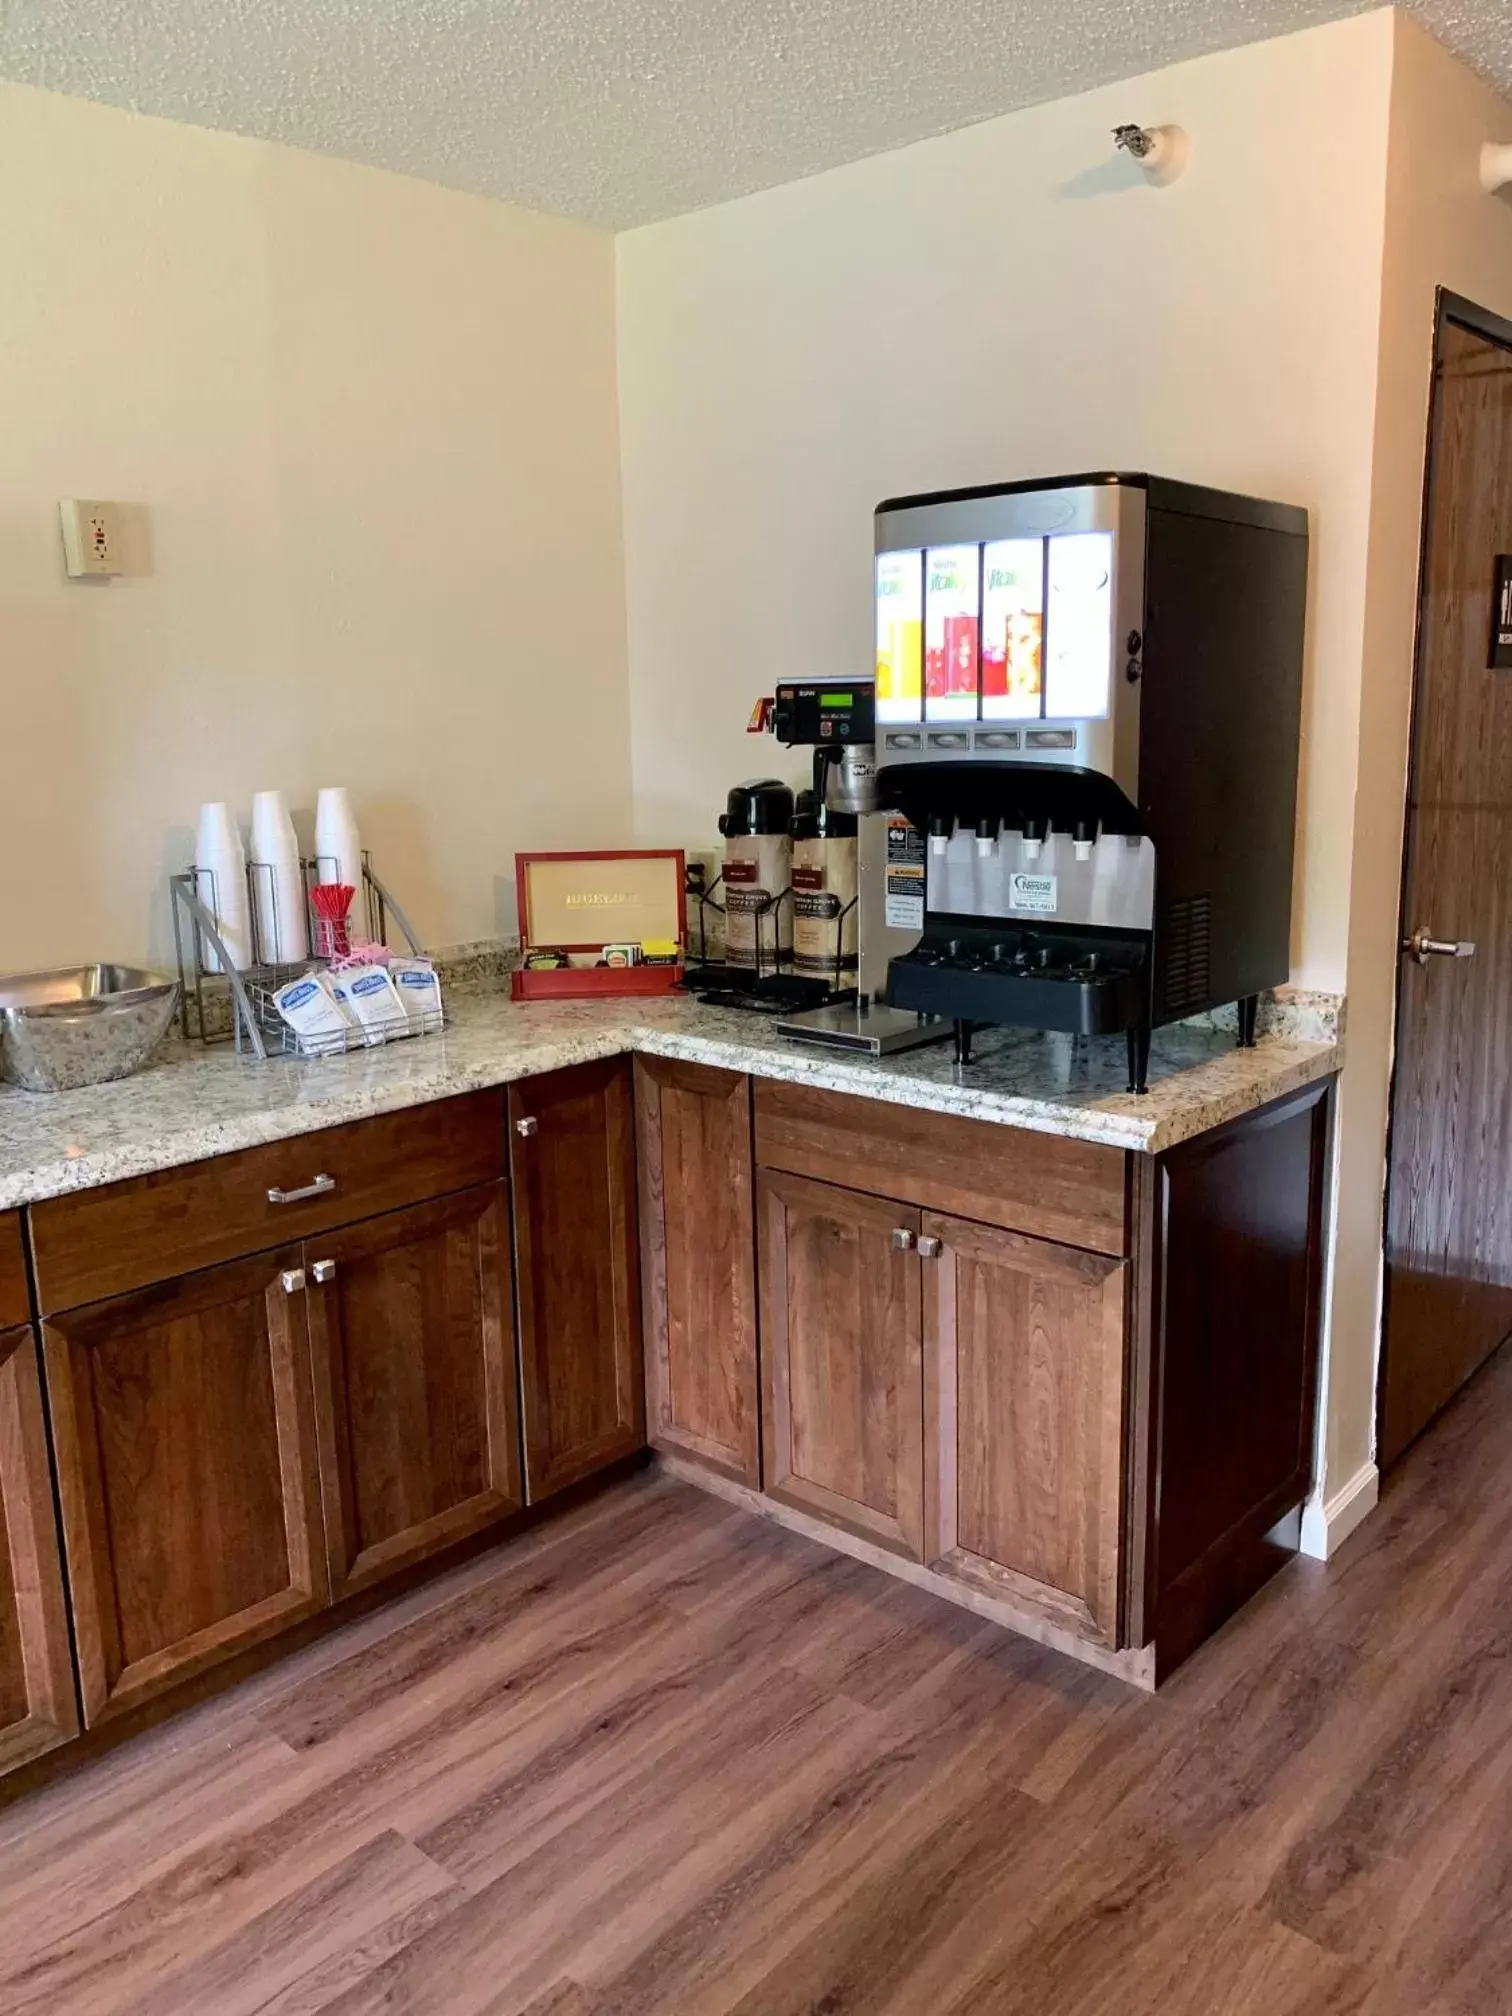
(1087, 708)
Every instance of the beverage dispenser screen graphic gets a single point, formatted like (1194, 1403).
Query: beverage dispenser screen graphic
(1013, 629)
(952, 609)
(1079, 627)
(900, 636)
(1009, 630)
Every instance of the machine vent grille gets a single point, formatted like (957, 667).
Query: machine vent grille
(1187, 956)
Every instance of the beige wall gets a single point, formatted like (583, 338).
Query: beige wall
(373, 426)
(1441, 230)
(1008, 300)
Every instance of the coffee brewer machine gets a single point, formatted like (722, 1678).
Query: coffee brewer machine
(1087, 707)
(837, 720)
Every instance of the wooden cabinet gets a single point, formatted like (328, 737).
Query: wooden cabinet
(186, 1462)
(37, 1706)
(1028, 1339)
(98, 1243)
(698, 1263)
(414, 1378)
(843, 1359)
(15, 1304)
(572, 1159)
(951, 1391)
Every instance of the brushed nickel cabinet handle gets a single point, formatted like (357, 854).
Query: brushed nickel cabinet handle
(292, 1280)
(527, 1126)
(903, 1240)
(321, 1186)
(323, 1271)
(929, 1246)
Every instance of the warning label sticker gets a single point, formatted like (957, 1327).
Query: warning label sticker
(904, 905)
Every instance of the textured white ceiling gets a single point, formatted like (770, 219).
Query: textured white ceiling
(626, 110)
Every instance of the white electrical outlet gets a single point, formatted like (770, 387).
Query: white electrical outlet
(91, 536)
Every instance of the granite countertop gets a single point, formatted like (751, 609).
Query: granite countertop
(193, 1102)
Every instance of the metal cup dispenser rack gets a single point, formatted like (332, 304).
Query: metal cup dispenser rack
(248, 1014)
(769, 984)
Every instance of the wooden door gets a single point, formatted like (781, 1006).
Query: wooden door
(1449, 1195)
(842, 1356)
(412, 1353)
(698, 1263)
(577, 1279)
(37, 1705)
(1029, 1340)
(187, 1475)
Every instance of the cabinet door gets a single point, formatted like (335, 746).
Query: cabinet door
(698, 1263)
(842, 1358)
(186, 1472)
(37, 1707)
(412, 1353)
(1029, 1339)
(572, 1157)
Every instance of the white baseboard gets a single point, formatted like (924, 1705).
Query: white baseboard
(1328, 1523)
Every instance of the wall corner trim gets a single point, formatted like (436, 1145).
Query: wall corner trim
(1328, 1522)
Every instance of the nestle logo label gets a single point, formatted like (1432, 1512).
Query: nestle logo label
(1032, 892)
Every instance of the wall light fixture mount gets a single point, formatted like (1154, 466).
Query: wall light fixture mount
(1161, 151)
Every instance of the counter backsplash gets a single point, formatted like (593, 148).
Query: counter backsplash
(1302, 1014)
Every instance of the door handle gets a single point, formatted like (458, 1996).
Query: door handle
(321, 1186)
(928, 1246)
(903, 1240)
(1423, 946)
(291, 1280)
(323, 1271)
(527, 1126)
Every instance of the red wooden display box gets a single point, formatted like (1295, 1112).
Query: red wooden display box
(651, 906)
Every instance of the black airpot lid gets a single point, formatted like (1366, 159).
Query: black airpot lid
(761, 805)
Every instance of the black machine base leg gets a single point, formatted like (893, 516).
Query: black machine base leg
(1248, 1008)
(1139, 1059)
(963, 1041)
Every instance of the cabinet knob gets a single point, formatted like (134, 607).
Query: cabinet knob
(903, 1240)
(527, 1126)
(291, 1280)
(323, 1271)
(929, 1246)
(320, 1187)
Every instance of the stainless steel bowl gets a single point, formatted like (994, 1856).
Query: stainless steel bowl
(81, 1025)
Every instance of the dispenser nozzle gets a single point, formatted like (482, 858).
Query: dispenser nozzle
(1036, 832)
(939, 834)
(986, 836)
(1083, 839)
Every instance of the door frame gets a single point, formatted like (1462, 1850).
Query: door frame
(1450, 309)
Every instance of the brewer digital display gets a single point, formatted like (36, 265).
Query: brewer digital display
(900, 636)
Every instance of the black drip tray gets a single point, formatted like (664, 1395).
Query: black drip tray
(1089, 991)
(719, 986)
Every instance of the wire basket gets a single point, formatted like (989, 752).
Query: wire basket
(247, 1015)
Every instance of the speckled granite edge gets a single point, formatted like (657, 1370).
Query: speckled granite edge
(1212, 1092)
(193, 1103)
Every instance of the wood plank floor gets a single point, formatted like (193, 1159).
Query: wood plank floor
(667, 1757)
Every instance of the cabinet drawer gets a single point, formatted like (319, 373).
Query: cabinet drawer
(1070, 1191)
(106, 1242)
(13, 1305)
